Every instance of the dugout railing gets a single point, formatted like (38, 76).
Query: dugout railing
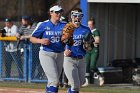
(23, 65)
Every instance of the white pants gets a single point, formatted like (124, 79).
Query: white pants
(52, 64)
(75, 71)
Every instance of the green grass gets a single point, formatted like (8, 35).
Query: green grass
(91, 88)
(22, 85)
(112, 89)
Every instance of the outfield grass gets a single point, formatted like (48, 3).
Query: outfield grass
(91, 88)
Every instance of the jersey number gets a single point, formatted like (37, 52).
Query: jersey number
(77, 42)
(55, 39)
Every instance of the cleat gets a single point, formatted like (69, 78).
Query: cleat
(86, 83)
(101, 81)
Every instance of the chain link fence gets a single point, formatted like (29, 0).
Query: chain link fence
(21, 65)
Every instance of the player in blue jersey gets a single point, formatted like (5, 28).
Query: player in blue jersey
(74, 62)
(51, 54)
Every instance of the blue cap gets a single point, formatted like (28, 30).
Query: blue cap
(7, 20)
(29, 18)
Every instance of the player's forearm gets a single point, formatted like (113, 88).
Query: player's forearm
(25, 37)
(35, 40)
(97, 40)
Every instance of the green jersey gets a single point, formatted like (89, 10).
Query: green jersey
(95, 33)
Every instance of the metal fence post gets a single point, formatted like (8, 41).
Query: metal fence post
(30, 63)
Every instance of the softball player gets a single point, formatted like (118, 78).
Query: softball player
(74, 62)
(92, 56)
(51, 55)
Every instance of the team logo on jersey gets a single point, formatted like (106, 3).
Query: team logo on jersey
(47, 28)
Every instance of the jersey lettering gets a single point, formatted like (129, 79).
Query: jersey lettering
(53, 33)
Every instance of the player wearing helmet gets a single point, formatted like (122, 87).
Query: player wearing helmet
(74, 62)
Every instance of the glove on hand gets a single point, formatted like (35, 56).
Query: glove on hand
(67, 33)
(88, 42)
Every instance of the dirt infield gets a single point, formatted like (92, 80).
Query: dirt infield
(26, 90)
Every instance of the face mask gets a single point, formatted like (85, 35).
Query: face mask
(77, 14)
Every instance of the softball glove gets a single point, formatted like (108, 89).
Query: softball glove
(67, 33)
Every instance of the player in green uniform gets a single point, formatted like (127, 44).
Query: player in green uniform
(92, 56)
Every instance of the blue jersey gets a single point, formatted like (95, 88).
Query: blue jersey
(77, 48)
(53, 32)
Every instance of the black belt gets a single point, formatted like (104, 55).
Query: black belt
(77, 57)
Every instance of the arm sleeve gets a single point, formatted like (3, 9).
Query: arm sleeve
(96, 33)
(38, 31)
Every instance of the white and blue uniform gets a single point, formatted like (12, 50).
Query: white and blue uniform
(51, 56)
(74, 65)
(53, 32)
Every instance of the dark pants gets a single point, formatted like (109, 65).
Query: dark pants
(91, 61)
(16, 58)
